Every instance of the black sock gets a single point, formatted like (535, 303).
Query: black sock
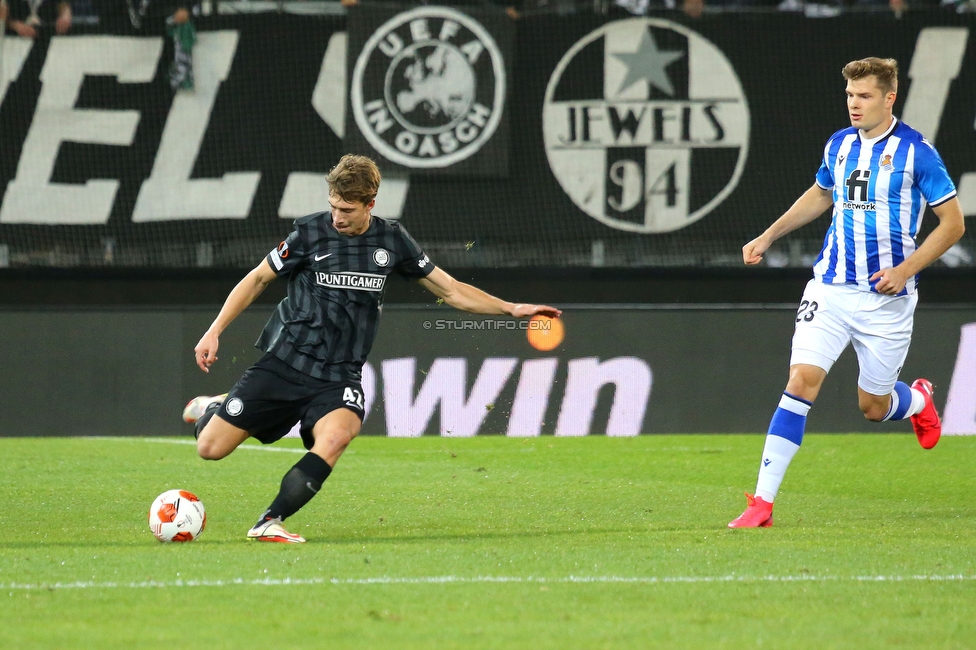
(299, 485)
(207, 414)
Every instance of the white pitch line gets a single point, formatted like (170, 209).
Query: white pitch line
(428, 452)
(443, 580)
(169, 441)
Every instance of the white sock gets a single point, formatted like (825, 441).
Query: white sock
(777, 454)
(918, 403)
(897, 409)
(782, 442)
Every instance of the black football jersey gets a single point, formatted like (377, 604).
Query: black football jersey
(326, 324)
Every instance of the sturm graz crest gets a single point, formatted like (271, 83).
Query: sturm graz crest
(428, 88)
(646, 125)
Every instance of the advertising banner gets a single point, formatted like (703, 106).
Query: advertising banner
(428, 87)
(553, 140)
(436, 371)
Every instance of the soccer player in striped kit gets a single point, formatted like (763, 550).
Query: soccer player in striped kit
(316, 342)
(878, 175)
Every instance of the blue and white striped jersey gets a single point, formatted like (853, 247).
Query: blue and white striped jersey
(881, 187)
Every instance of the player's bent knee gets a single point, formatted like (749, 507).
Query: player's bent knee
(873, 410)
(874, 413)
(208, 450)
(219, 438)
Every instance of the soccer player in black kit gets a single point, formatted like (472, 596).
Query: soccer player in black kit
(317, 340)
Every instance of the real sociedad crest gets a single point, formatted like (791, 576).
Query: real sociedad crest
(645, 125)
(428, 88)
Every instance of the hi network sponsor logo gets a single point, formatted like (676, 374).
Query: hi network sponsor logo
(428, 88)
(867, 207)
(646, 125)
(351, 280)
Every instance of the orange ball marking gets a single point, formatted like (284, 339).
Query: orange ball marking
(545, 333)
(167, 513)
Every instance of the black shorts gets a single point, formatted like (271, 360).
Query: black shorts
(272, 396)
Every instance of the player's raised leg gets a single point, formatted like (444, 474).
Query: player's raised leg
(881, 353)
(219, 438)
(783, 439)
(906, 402)
(200, 409)
(926, 422)
(197, 407)
(332, 434)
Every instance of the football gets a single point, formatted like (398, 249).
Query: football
(177, 516)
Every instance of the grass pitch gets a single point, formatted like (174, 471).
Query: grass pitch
(495, 543)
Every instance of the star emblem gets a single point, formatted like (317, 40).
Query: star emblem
(649, 63)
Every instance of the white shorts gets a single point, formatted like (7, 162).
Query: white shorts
(831, 316)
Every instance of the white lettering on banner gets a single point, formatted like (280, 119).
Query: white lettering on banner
(443, 386)
(959, 417)
(329, 96)
(308, 192)
(408, 412)
(13, 53)
(936, 62)
(625, 156)
(425, 102)
(169, 193)
(632, 380)
(369, 387)
(532, 397)
(31, 197)
(584, 128)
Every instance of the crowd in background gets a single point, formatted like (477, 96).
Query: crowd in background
(31, 18)
(697, 8)
(28, 18)
(812, 8)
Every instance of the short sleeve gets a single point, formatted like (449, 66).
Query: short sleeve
(931, 176)
(825, 179)
(289, 253)
(414, 263)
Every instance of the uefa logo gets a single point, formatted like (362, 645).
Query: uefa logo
(646, 125)
(428, 89)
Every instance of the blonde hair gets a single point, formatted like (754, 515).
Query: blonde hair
(355, 179)
(884, 70)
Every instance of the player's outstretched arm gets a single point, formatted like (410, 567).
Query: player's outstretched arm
(951, 227)
(811, 204)
(239, 298)
(472, 299)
